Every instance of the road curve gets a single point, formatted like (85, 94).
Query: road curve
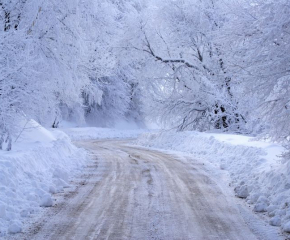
(141, 194)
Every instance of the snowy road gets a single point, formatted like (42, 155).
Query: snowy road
(136, 193)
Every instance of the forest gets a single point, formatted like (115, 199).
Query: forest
(186, 65)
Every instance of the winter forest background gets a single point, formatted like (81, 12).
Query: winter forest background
(187, 64)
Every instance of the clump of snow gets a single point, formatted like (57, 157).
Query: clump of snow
(39, 165)
(242, 191)
(286, 227)
(275, 221)
(87, 133)
(258, 173)
(260, 207)
(15, 227)
(46, 201)
(262, 204)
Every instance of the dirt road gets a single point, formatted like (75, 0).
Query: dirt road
(136, 193)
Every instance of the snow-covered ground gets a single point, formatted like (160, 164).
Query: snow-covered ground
(41, 163)
(87, 133)
(257, 172)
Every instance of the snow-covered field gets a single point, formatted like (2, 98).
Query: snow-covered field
(256, 171)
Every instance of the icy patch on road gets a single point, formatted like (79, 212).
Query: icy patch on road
(40, 164)
(257, 173)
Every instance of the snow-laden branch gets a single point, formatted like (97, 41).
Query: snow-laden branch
(158, 58)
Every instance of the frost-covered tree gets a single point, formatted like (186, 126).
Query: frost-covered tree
(51, 54)
(184, 70)
(114, 103)
(193, 64)
(255, 40)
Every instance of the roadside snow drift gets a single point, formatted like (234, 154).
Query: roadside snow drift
(40, 164)
(258, 174)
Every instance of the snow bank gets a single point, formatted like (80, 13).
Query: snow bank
(257, 172)
(77, 134)
(40, 163)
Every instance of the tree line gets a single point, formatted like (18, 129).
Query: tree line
(189, 65)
